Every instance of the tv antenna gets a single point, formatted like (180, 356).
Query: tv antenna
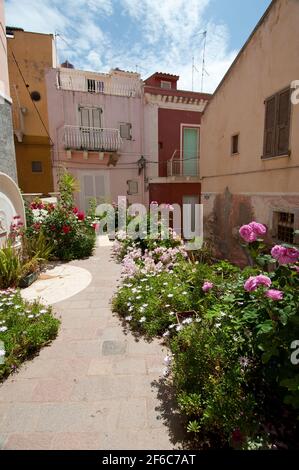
(203, 69)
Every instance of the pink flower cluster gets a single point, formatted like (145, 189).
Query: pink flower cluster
(251, 232)
(253, 282)
(285, 255)
(158, 260)
(207, 286)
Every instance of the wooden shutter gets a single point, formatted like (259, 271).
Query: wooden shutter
(283, 122)
(269, 133)
(96, 117)
(84, 117)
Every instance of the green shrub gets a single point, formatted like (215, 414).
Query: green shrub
(10, 266)
(24, 328)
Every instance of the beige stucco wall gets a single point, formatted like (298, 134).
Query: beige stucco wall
(4, 84)
(238, 189)
(268, 64)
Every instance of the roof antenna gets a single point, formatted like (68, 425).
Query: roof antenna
(203, 70)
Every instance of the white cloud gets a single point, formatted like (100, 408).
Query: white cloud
(166, 34)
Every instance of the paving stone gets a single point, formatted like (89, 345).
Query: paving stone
(129, 420)
(100, 367)
(110, 348)
(130, 366)
(76, 441)
(29, 441)
(20, 417)
(17, 390)
(52, 390)
(79, 417)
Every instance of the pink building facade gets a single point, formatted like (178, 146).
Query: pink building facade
(96, 125)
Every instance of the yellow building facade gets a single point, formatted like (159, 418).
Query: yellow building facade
(30, 55)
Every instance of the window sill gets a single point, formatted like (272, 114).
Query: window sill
(276, 156)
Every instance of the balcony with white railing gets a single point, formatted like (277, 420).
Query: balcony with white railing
(183, 164)
(91, 138)
(114, 83)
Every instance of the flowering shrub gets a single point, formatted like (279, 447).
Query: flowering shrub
(230, 333)
(71, 232)
(24, 328)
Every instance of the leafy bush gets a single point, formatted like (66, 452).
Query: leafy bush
(230, 333)
(24, 328)
(61, 230)
(10, 266)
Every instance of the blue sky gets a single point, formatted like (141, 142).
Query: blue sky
(143, 35)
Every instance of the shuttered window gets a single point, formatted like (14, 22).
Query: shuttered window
(277, 124)
(90, 117)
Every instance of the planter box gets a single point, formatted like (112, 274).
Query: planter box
(28, 280)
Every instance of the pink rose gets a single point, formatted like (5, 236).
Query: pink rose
(252, 231)
(274, 294)
(258, 228)
(207, 286)
(253, 282)
(247, 233)
(285, 255)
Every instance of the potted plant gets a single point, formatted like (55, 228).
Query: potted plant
(29, 273)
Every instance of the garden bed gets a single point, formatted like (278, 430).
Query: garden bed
(231, 334)
(25, 328)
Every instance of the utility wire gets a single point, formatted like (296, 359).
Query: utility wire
(27, 88)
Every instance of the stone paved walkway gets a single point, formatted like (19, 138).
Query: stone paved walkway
(93, 387)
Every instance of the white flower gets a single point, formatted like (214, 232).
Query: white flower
(171, 313)
(130, 308)
(184, 293)
(187, 321)
(170, 295)
(144, 305)
(179, 327)
(128, 304)
(165, 283)
(167, 305)
(142, 319)
(3, 328)
(43, 311)
(166, 372)
(2, 352)
(30, 316)
(138, 297)
(198, 320)
(166, 334)
(217, 325)
(172, 326)
(167, 359)
(128, 318)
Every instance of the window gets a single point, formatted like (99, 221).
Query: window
(165, 84)
(132, 187)
(125, 129)
(90, 117)
(235, 144)
(277, 124)
(94, 86)
(284, 227)
(36, 167)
